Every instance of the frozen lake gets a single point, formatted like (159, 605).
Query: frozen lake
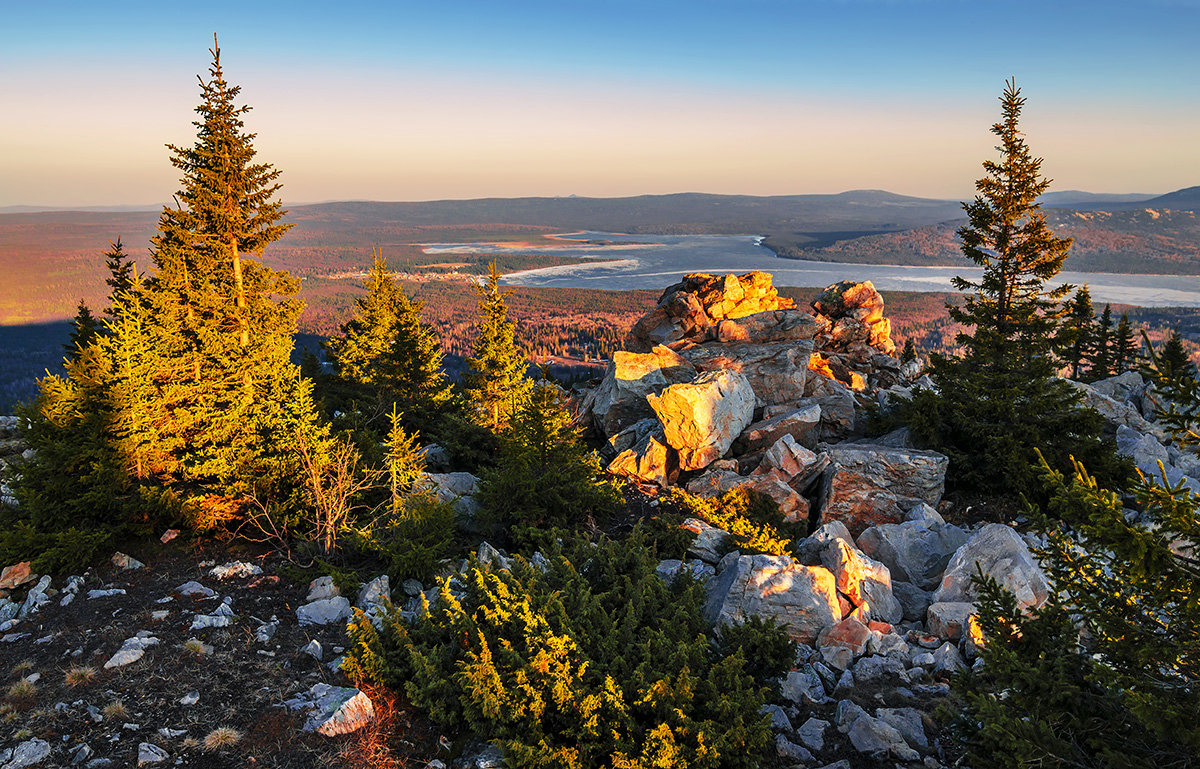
(656, 261)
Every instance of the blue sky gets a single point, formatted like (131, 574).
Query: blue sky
(409, 101)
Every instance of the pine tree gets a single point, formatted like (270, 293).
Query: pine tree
(1102, 350)
(84, 328)
(1000, 400)
(910, 351)
(120, 271)
(1077, 333)
(1124, 348)
(495, 379)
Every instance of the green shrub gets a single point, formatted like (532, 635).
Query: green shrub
(1107, 672)
(752, 519)
(52, 552)
(410, 543)
(594, 662)
(769, 651)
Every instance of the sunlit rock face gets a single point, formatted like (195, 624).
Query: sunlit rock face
(803, 599)
(702, 419)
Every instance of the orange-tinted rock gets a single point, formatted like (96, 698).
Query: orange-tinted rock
(620, 399)
(868, 485)
(776, 371)
(16, 575)
(842, 643)
(802, 599)
(702, 419)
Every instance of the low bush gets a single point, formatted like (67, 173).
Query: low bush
(594, 661)
(752, 519)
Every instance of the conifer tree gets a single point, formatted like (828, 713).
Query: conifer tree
(1077, 333)
(1124, 348)
(910, 351)
(1102, 349)
(495, 379)
(84, 328)
(120, 271)
(1000, 400)
(386, 353)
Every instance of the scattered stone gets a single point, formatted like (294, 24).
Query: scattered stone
(168, 535)
(314, 650)
(28, 753)
(804, 687)
(235, 569)
(333, 710)
(81, 753)
(16, 575)
(126, 562)
(322, 588)
(324, 612)
(878, 738)
(779, 718)
(265, 632)
(842, 643)
(37, 597)
(947, 660)
(812, 733)
(786, 749)
(149, 753)
(908, 722)
(193, 590)
(94, 594)
(189, 699)
(131, 651)
(209, 621)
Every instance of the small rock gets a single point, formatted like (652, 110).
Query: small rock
(873, 736)
(235, 569)
(779, 719)
(207, 621)
(374, 593)
(131, 651)
(171, 734)
(322, 588)
(314, 650)
(80, 754)
(785, 748)
(908, 722)
(28, 753)
(812, 733)
(126, 562)
(189, 699)
(324, 612)
(149, 753)
(111, 592)
(333, 710)
(266, 632)
(168, 535)
(193, 590)
(16, 575)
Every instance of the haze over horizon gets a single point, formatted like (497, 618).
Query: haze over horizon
(396, 102)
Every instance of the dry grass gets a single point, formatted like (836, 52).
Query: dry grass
(194, 647)
(22, 667)
(116, 710)
(368, 747)
(22, 690)
(80, 675)
(191, 743)
(221, 738)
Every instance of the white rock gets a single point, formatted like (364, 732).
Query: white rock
(333, 710)
(131, 651)
(374, 593)
(324, 612)
(149, 753)
(94, 594)
(207, 621)
(314, 650)
(126, 562)
(27, 753)
(191, 698)
(321, 588)
(235, 569)
(1001, 553)
(193, 590)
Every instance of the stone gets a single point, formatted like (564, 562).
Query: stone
(839, 409)
(374, 593)
(193, 590)
(710, 543)
(1116, 413)
(1144, 450)
(947, 660)
(779, 718)
(808, 550)
(1122, 388)
(842, 643)
(620, 399)
(483, 757)
(803, 687)
(802, 599)
(650, 460)
(132, 650)
(785, 460)
(862, 580)
(109, 593)
(333, 710)
(458, 489)
(790, 751)
(948, 620)
(209, 621)
(877, 670)
(801, 423)
(149, 753)
(324, 612)
(265, 632)
(908, 722)
(878, 738)
(168, 535)
(189, 699)
(1001, 553)
(776, 372)
(812, 733)
(27, 753)
(770, 326)
(321, 588)
(235, 570)
(126, 562)
(314, 650)
(922, 512)
(701, 420)
(867, 485)
(914, 602)
(714, 483)
(16, 575)
(37, 597)
(913, 551)
(437, 458)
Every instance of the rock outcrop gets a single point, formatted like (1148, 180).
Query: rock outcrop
(868, 485)
(702, 419)
(803, 599)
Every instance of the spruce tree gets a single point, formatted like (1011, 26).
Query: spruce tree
(120, 271)
(910, 351)
(1000, 400)
(84, 328)
(1124, 348)
(495, 378)
(1077, 332)
(386, 354)
(1102, 350)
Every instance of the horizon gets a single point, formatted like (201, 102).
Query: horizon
(383, 103)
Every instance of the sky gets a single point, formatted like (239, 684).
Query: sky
(447, 99)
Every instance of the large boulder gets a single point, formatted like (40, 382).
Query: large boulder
(770, 326)
(839, 409)
(803, 599)
(702, 419)
(1000, 553)
(649, 460)
(1116, 413)
(620, 399)
(862, 580)
(801, 423)
(333, 710)
(854, 315)
(777, 371)
(867, 485)
(785, 460)
(913, 551)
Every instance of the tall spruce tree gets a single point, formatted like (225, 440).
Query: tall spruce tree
(1077, 332)
(495, 379)
(120, 271)
(999, 401)
(84, 328)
